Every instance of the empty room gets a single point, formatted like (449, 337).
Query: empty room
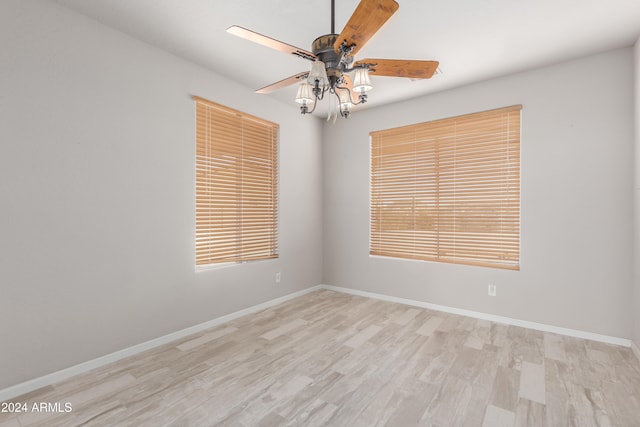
(319, 213)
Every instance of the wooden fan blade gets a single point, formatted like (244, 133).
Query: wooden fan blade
(401, 68)
(283, 83)
(367, 19)
(269, 42)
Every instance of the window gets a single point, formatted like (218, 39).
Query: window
(449, 190)
(236, 185)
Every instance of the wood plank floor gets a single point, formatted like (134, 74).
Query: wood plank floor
(330, 359)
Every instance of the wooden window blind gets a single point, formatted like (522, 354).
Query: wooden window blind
(236, 185)
(449, 190)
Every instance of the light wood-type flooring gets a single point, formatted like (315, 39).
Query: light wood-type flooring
(331, 359)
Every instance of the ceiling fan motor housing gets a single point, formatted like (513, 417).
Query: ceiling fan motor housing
(322, 47)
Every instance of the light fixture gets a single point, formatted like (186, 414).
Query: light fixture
(361, 80)
(305, 97)
(344, 98)
(318, 72)
(330, 74)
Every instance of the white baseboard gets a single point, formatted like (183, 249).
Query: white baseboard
(485, 316)
(635, 350)
(36, 383)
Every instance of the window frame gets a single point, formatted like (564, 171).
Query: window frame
(236, 186)
(381, 235)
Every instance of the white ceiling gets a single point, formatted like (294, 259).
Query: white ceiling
(473, 39)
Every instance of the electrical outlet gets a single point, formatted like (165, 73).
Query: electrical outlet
(277, 277)
(492, 290)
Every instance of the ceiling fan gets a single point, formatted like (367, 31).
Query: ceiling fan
(332, 59)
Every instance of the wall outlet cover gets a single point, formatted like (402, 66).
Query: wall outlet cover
(492, 290)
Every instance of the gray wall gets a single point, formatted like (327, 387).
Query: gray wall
(97, 194)
(577, 175)
(635, 309)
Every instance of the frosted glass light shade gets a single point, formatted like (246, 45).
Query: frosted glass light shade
(345, 99)
(361, 80)
(318, 72)
(305, 94)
